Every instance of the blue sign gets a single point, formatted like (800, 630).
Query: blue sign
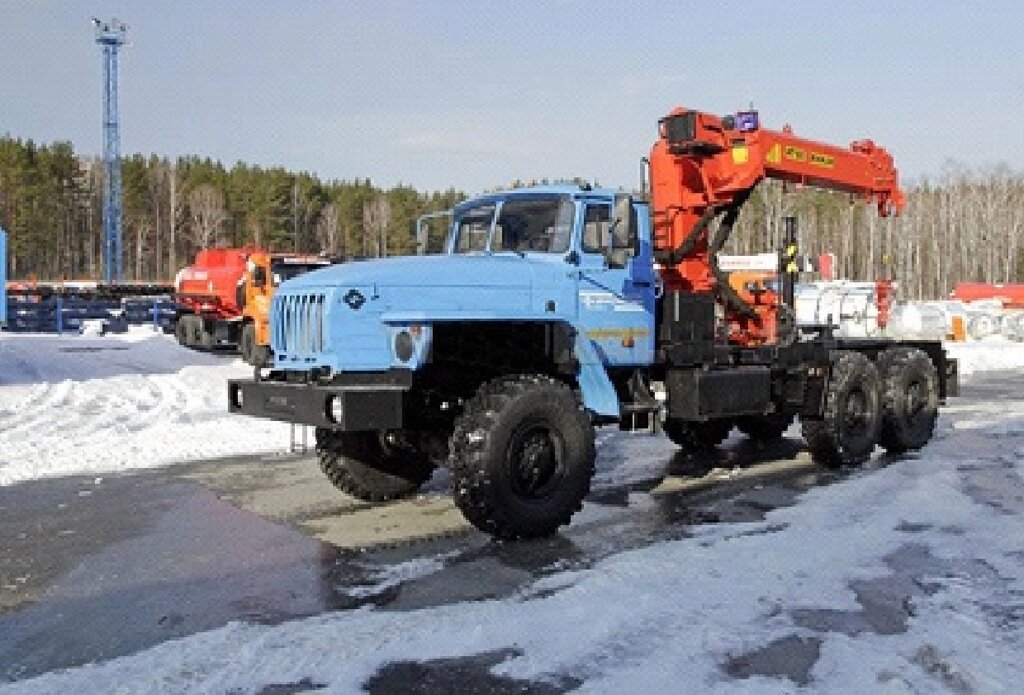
(747, 121)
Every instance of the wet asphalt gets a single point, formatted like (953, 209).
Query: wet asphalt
(95, 568)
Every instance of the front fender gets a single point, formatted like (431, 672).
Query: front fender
(597, 389)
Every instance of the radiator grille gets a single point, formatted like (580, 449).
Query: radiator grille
(299, 325)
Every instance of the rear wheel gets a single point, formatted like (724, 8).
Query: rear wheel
(367, 466)
(847, 431)
(910, 399)
(697, 436)
(522, 457)
(764, 428)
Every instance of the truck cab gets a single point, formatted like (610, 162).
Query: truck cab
(544, 302)
(559, 278)
(264, 273)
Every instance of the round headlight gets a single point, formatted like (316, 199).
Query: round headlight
(335, 410)
(404, 346)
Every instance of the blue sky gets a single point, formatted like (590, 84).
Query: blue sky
(477, 94)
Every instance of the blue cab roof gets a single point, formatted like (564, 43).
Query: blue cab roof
(526, 191)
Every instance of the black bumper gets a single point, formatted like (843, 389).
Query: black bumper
(363, 406)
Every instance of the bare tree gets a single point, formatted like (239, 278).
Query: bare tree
(172, 227)
(328, 227)
(376, 218)
(206, 207)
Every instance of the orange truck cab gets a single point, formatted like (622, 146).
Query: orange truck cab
(264, 272)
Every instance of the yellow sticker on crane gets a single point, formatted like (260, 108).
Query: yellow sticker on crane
(774, 155)
(795, 154)
(823, 160)
(740, 154)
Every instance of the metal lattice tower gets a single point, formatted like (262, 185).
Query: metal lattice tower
(111, 36)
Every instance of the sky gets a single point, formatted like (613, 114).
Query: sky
(477, 94)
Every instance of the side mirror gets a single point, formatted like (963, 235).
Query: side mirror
(624, 226)
(259, 277)
(572, 258)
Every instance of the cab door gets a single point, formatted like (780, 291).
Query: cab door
(616, 283)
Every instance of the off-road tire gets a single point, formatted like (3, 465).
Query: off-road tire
(182, 330)
(261, 356)
(361, 465)
(910, 399)
(522, 457)
(694, 437)
(247, 344)
(848, 429)
(764, 428)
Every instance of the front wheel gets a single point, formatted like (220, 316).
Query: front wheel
(369, 467)
(847, 431)
(522, 457)
(183, 331)
(247, 343)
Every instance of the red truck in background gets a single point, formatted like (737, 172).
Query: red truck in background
(223, 299)
(1010, 294)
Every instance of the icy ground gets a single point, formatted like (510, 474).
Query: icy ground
(77, 404)
(907, 576)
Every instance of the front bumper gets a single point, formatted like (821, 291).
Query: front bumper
(364, 406)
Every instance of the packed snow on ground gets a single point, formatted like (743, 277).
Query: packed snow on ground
(77, 404)
(665, 618)
(987, 354)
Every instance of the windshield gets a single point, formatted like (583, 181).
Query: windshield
(537, 224)
(473, 226)
(534, 224)
(287, 271)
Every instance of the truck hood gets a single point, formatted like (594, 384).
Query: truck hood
(509, 271)
(343, 317)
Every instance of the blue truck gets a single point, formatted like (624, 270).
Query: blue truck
(546, 317)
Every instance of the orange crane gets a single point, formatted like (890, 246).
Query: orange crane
(704, 167)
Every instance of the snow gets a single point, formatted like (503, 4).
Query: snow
(83, 405)
(661, 618)
(992, 353)
(651, 619)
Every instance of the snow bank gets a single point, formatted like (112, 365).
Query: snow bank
(80, 405)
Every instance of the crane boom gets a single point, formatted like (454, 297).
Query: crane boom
(705, 166)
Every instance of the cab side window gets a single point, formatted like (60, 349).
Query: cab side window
(600, 235)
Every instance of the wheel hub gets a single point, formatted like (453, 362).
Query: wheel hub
(915, 398)
(534, 462)
(855, 413)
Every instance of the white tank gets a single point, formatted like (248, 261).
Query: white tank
(1013, 326)
(852, 307)
(921, 320)
(982, 324)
